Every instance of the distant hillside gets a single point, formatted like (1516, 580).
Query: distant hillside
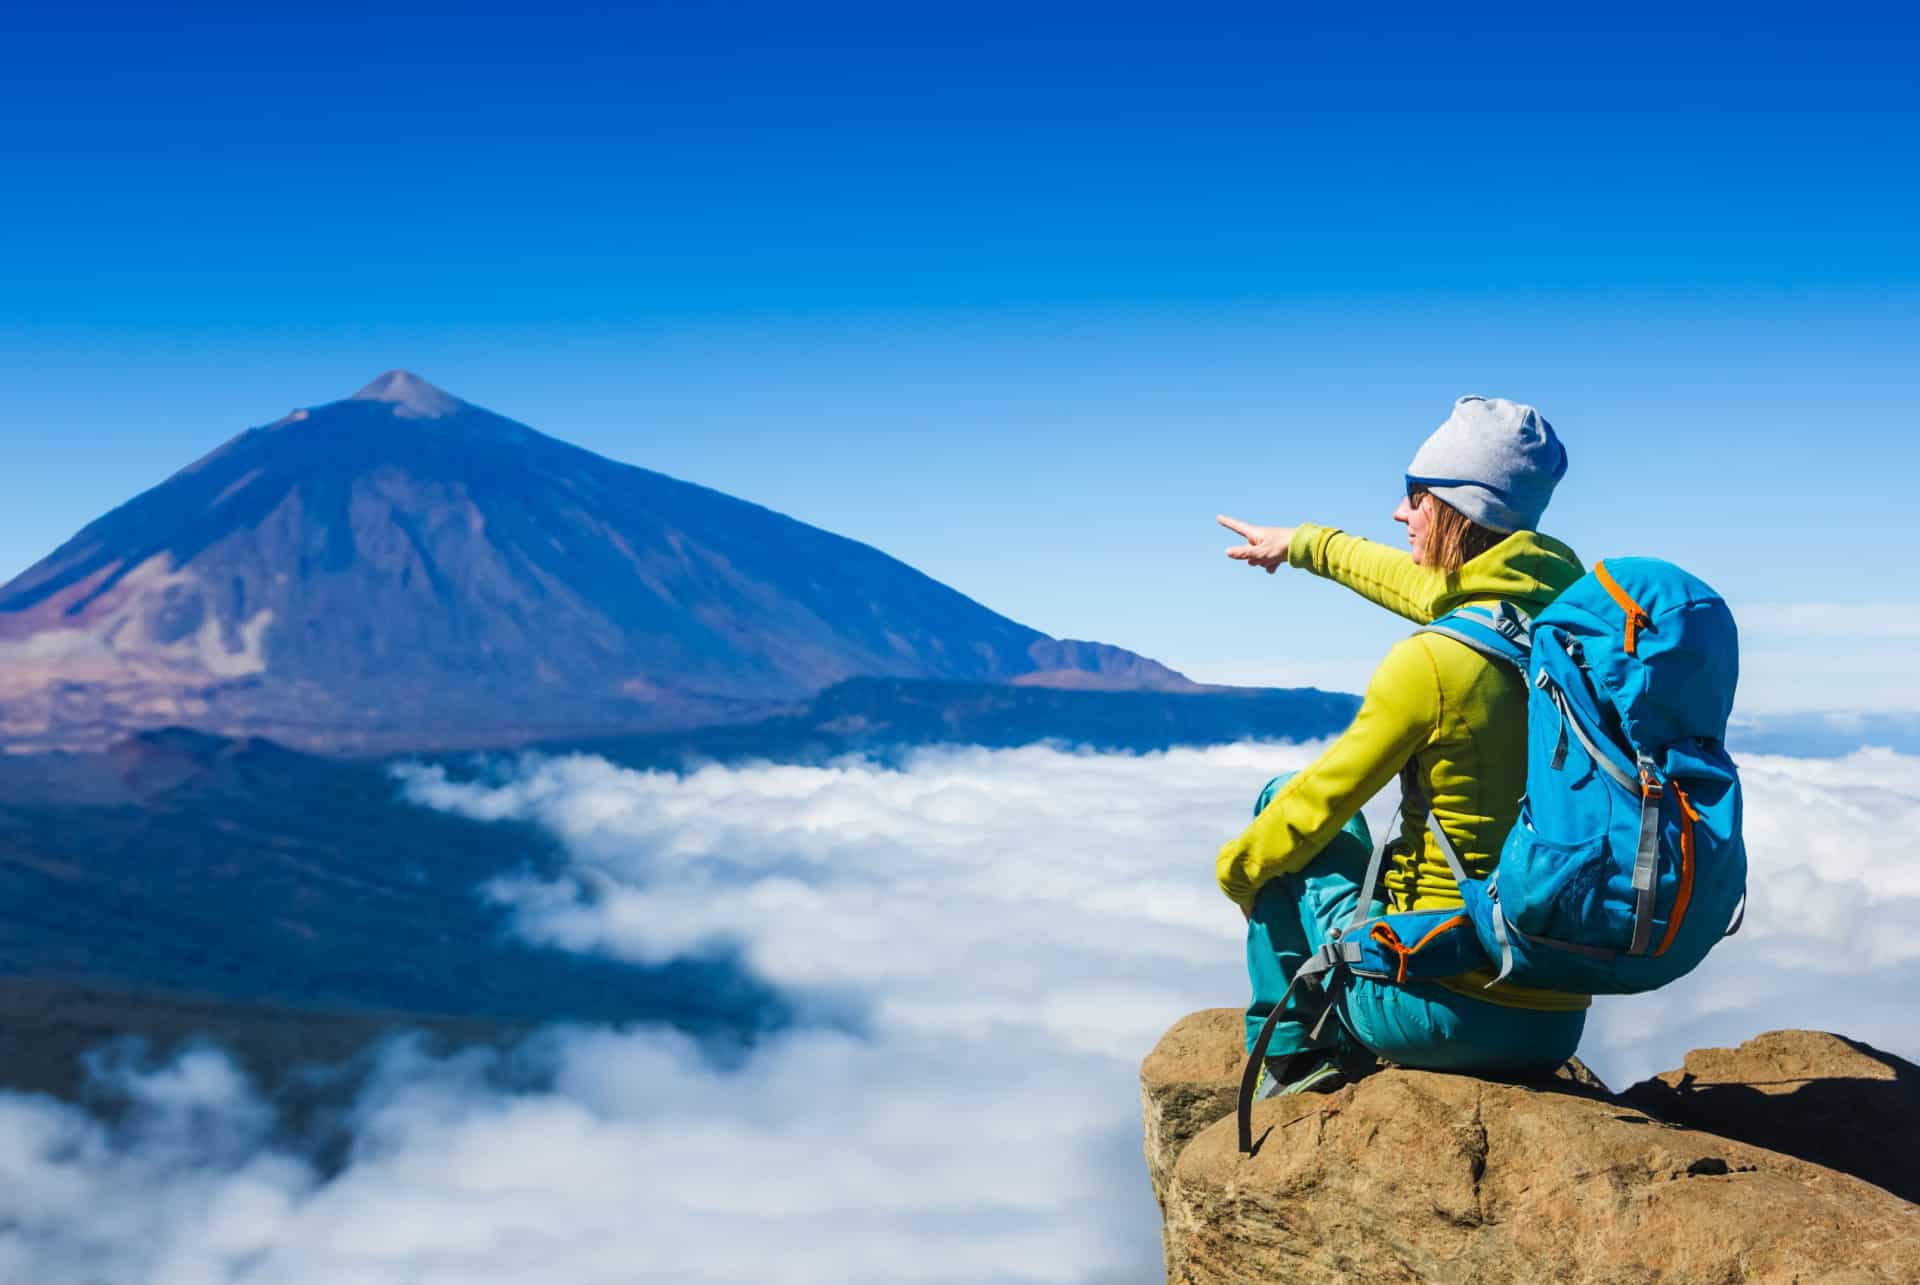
(241, 871)
(404, 570)
(888, 716)
(50, 1026)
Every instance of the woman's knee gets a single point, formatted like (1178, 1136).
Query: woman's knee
(1270, 789)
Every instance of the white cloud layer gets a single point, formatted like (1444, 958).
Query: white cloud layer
(1829, 940)
(1012, 929)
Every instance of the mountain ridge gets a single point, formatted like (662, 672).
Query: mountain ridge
(401, 569)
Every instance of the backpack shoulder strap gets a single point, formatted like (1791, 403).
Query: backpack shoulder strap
(1502, 633)
(1411, 791)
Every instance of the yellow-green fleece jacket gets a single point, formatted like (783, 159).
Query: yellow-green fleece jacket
(1460, 718)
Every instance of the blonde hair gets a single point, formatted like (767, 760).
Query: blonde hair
(1453, 538)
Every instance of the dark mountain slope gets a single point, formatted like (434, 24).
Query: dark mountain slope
(243, 871)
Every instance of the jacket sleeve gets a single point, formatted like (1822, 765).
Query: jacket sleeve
(1377, 572)
(1397, 718)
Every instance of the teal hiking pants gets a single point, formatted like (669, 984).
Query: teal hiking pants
(1418, 1024)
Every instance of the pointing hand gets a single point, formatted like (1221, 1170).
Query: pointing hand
(1265, 547)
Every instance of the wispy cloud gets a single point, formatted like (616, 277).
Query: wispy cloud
(1778, 623)
(1013, 930)
(1828, 656)
(1823, 945)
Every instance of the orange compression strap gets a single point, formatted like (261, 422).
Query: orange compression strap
(1384, 934)
(1684, 893)
(1435, 931)
(1637, 618)
(1390, 939)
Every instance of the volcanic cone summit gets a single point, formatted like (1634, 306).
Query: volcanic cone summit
(410, 396)
(470, 581)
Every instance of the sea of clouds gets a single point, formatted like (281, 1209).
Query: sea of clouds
(984, 944)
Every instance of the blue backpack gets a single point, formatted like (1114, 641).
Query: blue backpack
(1626, 864)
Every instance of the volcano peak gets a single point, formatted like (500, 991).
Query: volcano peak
(409, 395)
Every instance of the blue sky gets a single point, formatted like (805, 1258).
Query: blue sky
(1021, 294)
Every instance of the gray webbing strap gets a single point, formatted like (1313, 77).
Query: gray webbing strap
(1321, 969)
(1319, 1028)
(1515, 623)
(1461, 876)
(1313, 970)
(1607, 765)
(1410, 786)
(1365, 904)
(1454, 864)
(1505, 619)
(1646, 859)
(1491, 653)
(1511, 623)
(1645, 862)
(1499, 932)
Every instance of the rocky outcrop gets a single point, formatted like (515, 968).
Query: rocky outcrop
(1416, 1176)
(1188, 1082)
(1820, 1097)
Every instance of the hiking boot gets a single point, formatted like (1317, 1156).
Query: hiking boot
(1311, 1071)
(1323, 1075)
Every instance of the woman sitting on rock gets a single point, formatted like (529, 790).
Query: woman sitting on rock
(1451, 719)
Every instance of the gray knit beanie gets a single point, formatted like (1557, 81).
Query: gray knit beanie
(1494, 460)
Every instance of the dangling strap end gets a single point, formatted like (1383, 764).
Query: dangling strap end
(1499, 934)
(1320, 1026)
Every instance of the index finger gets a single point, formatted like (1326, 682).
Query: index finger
(1242, 529)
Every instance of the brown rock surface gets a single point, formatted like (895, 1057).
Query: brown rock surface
(1187, 1082)
(1415, 1176)
(1821, 1097)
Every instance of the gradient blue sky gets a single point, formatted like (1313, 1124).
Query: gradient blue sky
(1021, 294)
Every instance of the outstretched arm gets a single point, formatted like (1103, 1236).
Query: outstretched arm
(1377, 572)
